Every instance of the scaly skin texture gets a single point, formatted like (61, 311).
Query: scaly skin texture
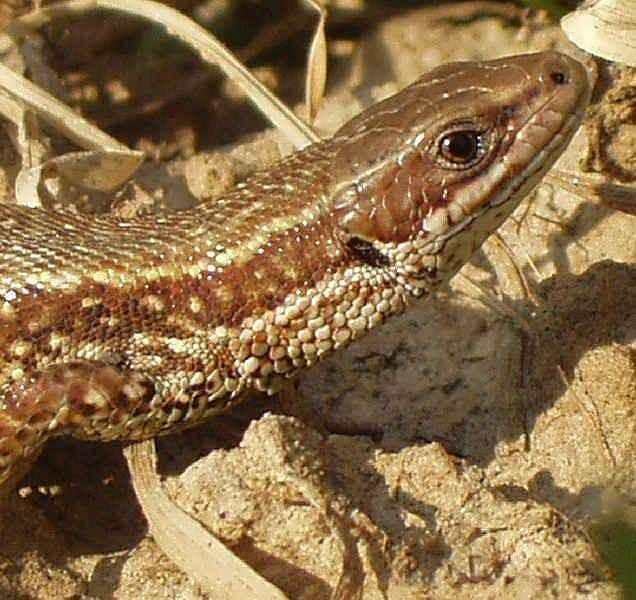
(126, 330)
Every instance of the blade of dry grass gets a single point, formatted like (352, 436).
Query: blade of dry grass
(487, 298)
(192, 34)
(219, 572)
(56, 113)
(517, 269)
(104, 171)
(106, 164)
(316, 77)
(595, 187)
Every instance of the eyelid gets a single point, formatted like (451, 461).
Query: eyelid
(479, 129)
(424, 141)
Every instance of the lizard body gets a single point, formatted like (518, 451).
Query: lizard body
(114, 329)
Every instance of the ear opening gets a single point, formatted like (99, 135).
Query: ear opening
(366, 252)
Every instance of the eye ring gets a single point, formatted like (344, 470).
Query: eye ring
(462, 147)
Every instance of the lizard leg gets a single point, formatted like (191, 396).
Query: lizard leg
(86, 399)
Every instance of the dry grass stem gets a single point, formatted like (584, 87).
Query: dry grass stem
(219, 572)
(195, 36)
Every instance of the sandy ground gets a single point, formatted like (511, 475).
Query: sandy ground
(475, 443)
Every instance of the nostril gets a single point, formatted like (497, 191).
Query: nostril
(559, 77)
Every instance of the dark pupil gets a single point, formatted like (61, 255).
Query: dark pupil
(461, 145)
(558, 77)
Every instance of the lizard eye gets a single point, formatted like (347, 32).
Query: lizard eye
(462, 147)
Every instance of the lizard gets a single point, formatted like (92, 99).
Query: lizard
(115, 329)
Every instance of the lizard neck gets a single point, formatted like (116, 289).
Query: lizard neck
(274, 234)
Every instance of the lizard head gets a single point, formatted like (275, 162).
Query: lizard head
(428, 174)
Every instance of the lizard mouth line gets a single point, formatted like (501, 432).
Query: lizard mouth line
(540, 164)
